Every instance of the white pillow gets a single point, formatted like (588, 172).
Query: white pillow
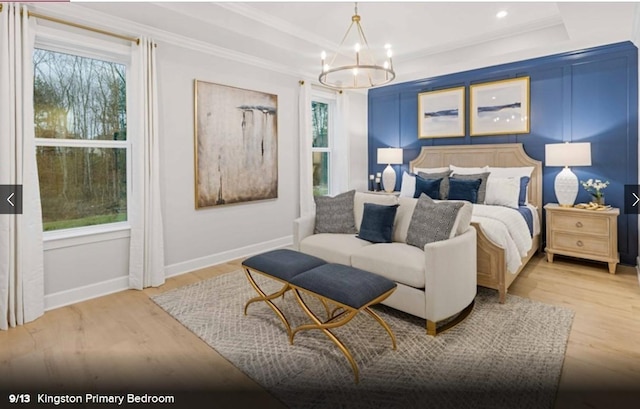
(460, 170)
(513, 172)
(430, 170)
(502, 191)
(408, 186)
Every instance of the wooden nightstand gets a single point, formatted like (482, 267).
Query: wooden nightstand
(588, 234)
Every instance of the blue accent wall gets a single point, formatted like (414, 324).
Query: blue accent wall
(587, 95)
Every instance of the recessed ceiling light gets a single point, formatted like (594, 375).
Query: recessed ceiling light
(502, 14)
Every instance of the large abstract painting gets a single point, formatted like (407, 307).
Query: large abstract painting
(441, 113)
(236, 145)
(500, 107)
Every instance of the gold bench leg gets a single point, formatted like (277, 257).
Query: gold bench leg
(267, 299)
(384, 325)
(324, 327)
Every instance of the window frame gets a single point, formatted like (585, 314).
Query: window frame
(70, 42)
(331, 101)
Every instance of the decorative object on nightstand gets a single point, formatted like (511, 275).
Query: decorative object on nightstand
(583, 233)
(595, 188)
(389, 156)
(567, 154)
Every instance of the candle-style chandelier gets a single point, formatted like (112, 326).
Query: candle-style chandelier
(359, 70)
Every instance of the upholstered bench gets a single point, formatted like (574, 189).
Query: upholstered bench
(350, 289)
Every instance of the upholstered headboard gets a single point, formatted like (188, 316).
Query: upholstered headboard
(499, 155)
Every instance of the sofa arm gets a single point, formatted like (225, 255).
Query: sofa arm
(303, 227)
(451, 275)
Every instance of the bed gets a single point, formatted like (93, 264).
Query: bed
(492, 260)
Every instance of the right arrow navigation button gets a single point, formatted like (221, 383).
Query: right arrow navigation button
(631, 199)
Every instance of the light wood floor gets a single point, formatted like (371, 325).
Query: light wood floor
(124, 342)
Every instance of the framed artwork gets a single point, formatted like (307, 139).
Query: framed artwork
(236, 145)
(441, 113)
(500, 107)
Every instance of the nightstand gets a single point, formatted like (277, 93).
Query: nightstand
(587, 234)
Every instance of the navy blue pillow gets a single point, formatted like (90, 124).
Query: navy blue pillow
(463, 189)
(524, 182)
(430, 187)
(377, 223)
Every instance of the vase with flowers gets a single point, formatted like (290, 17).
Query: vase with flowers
(595, 187)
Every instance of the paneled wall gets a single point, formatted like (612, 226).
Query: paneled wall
(586, 95)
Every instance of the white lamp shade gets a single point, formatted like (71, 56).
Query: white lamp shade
(568, 154)
(389, 156)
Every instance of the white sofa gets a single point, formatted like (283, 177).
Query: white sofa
(434, 283)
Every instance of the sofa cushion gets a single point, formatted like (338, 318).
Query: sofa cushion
(430, 187)
(361, 198)
(432, 221)
(405, 212)
(335, 214)
(377, 223)
(399, 262)
(333, 248)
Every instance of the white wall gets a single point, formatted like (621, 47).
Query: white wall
(204, 237)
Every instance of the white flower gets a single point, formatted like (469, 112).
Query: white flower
(594, 187)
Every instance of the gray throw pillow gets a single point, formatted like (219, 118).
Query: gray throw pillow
(431, 221)
(482, 190)
(444, 184)
(335, 214)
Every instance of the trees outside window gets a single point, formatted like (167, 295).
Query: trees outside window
(321, 122)
(80, 113)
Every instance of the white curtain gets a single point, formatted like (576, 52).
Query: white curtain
(307, 204)
(146, 264)
(340, 167)
(21, 249)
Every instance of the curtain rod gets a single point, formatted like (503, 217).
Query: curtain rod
(339, 91)
(81, 26)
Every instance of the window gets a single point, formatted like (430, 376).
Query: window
(321, 122)
(80, 112)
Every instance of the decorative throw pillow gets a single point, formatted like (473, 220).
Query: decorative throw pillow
(335, 214)
(408, 186)
(503, 191)
(524, 184)
(463, 189)
(431, 221)
(377, 223)
(444, 185)
(483, 183)
(430, 187)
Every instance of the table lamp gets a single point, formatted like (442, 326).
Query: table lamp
(567, 154)
(390, 156)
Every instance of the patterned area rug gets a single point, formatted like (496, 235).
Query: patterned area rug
(502, 356)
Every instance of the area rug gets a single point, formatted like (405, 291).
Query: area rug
(502, 356)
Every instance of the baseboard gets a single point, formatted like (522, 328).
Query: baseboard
(87, 292)
(219, 258)
(76, 295)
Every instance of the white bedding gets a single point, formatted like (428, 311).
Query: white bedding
(508, 229)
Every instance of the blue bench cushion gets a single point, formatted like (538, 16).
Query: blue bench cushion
(344, 284)
(283, 263)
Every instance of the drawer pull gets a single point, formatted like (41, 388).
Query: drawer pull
(579, 243)
(578, 224)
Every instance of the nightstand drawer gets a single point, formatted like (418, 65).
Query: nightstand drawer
(581, 223)
(580, 244)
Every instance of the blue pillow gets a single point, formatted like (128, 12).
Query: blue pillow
(464, 189)
(377, 223)
(522, 199)
(430, 187)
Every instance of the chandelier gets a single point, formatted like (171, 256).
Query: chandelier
(359, 70)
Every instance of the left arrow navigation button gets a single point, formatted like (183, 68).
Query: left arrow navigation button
(10, 199)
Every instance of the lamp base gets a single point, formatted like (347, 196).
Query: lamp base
(566, 187)
(389, 179)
